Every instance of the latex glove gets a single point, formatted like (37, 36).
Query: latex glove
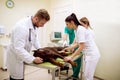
(65, 43)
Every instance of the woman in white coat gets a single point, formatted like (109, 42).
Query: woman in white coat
(85, 43)
(23, 36)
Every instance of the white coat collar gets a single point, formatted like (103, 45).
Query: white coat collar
(31, 26)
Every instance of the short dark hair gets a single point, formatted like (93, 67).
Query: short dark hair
(43, 14)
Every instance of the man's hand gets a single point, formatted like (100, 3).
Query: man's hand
(38, 60)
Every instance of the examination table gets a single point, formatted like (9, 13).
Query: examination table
(53, 68)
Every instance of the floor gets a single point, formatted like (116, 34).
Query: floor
(34, 73)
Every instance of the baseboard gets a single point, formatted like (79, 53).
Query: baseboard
(98, 78)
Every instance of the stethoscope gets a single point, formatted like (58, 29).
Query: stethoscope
(30, 32)
(29, 35)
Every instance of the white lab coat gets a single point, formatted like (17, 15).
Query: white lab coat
(20, 46)
(90, 52)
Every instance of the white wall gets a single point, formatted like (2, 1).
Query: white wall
(59, 10)
(108, 43)
(21, 9)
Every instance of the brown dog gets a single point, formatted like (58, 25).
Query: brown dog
(49, 54)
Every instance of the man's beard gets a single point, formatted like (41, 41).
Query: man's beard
(35, 25)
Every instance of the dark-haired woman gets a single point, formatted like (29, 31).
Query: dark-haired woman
(85, 43)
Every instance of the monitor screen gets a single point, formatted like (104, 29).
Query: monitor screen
(56, 36)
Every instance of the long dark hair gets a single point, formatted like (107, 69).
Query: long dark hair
(72, 17)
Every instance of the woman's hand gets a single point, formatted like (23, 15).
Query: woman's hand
(38, 60)
(67, 49)
(67, 58)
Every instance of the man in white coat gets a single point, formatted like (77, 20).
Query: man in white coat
(23, 36)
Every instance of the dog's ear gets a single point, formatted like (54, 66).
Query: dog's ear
(34, 50)
(41, 50)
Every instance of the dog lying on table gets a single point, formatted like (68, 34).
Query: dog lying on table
(50, 54)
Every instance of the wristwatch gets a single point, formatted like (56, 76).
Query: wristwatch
(9, 3)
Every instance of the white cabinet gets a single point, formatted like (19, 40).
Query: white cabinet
(3, 56)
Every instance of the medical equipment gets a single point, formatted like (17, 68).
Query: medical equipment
(3, 54)
(29, 35)
(2, 30)
(56, 36)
